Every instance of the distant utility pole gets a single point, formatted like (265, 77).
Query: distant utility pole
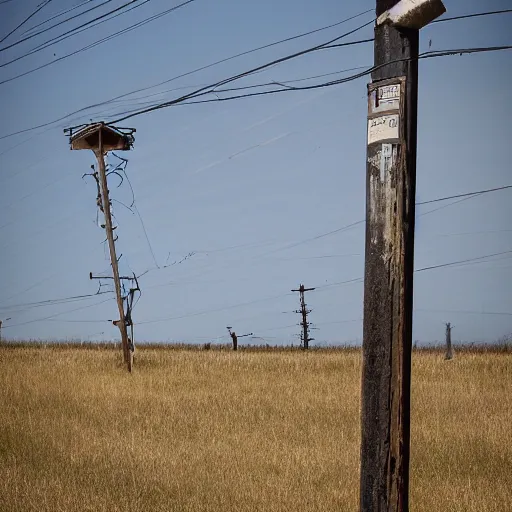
(234, 337)
(1, 322)
(101, 139)
(388, 287)
(449, 353)
(303, 311)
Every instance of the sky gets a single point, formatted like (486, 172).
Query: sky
(246, 188)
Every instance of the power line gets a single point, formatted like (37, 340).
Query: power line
(462, 261)
(44, 125)
(477, 232)
(74, 31)
(326, 45)
(467, 194)
(204, 312)
(97, 43)
(447, 205)
(453, 263)
(360, 279)
(204, 90)
(39, 7)
(426, 55)
(122, 169)
(463, 312)
(56, 314)
(58, 15)
(241, 54)
(474, 15)
(58, 24)
(52, 302)
(136, 101)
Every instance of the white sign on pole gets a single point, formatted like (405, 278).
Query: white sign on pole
(383, 128)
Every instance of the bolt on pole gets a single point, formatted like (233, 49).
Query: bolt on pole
(389, 254)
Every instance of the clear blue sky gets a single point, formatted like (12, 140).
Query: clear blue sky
(238, 181)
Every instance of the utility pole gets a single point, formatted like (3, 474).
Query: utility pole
(449, 353)
(234, 337)
(105, 201)
(303, 311)
(389, 254)
(1, 322)
(102, 138)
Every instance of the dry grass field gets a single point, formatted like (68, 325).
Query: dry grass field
(246, 431)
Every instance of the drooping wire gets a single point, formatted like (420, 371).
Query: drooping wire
(122, 168)
(425, 55)
(211, 88)
(67, 116)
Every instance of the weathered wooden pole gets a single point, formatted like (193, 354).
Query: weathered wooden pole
(101, 138)
(389, 254)
(449, 352)
(100, 156)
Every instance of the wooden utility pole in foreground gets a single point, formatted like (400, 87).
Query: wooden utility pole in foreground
(449, 352)
(388, 287)
(304, 313)
(101, 138)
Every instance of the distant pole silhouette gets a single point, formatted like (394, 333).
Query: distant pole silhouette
(304, 313)
(449, 352)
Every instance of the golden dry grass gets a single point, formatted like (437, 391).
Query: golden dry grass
(223, 431)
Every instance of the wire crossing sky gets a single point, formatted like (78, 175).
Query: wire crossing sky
(260, 185)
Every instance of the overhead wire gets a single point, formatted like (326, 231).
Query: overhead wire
(27, 38)
(188, 73)
(55, 16)
(425, 55)
(450, 264)
(78, 30)
(208, 89)
(138, 102)
(227, 59)
(38, 8)
(473, 15)
(462, 312)
(134, 206)
(204, 312)
(465, 196)
(97, 43)
(320, 287)
(36, 320)
(51, 302)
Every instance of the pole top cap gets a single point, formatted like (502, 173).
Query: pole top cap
(414, 14)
